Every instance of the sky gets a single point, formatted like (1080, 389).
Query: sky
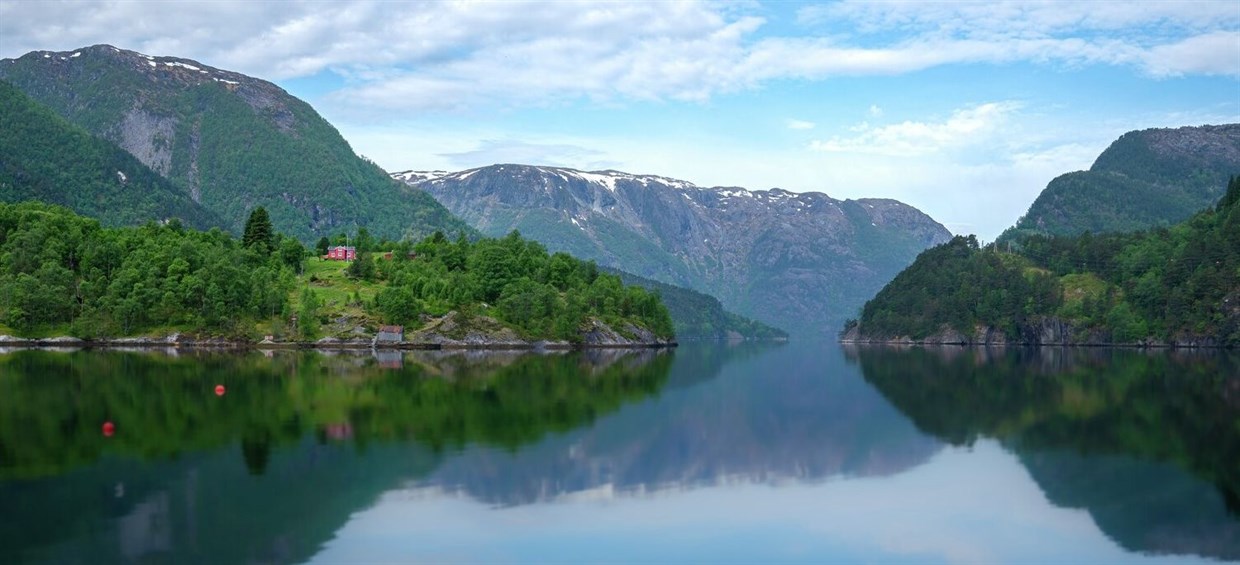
(964, 110)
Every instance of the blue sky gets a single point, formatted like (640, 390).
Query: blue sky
(964, 110)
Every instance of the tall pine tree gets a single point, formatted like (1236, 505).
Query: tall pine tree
(258, 232)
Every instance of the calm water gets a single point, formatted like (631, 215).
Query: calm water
(795, 452)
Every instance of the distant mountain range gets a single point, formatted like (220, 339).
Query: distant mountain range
(130, 138)
(1148, 178)
(798, 261)
(227, 141)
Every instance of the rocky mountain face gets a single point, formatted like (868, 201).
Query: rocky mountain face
(1148, 178)
(228, 141)
(798, 261)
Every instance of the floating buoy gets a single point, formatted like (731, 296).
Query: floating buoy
(108, 429)
(219, 390)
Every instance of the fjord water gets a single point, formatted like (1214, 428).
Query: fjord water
(746, 452)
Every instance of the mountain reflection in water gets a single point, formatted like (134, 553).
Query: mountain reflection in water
(797, 452)
(1148, 442)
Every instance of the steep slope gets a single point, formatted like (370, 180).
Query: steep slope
(801, 262)
(43, 157)
(1148, 178)
(1178, 286)
(228, 141)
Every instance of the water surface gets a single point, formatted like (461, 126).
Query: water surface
(793, 452)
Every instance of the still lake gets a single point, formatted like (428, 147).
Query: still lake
(750, 452)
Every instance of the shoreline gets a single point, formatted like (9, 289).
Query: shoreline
(324, 344)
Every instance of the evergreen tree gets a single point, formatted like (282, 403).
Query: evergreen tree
(259, 234)
(322, 246)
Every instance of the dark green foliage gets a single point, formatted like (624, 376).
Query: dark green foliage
(540, 294)
(960, 286)
(362, 268)
(234, 145)
(293, 253)
(308, 314)
(322, 246)
(1169, 284)
(258, 234)
(699, 315)
(59, 270)
(45, 158)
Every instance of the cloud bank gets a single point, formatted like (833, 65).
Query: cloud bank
(466, 55)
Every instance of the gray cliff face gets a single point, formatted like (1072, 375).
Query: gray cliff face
(800, 261)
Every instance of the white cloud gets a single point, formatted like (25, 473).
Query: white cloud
(464, 55)
(875, 111)
(799, 124)
(968, 126)
(1214, 53)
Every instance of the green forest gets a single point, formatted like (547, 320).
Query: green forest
(1166, 284)
(61, 273)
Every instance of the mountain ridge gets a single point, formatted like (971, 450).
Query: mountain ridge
(800, 261)
(1147, 178)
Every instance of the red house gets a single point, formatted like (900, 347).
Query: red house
(341, 253)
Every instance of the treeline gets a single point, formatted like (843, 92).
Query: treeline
(960, 286)
(514, 279)
(63, 273)
(1166, 284)
(60, 272)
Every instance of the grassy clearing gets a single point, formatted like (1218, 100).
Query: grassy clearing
(342, 297)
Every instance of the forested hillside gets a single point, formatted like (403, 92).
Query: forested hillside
(1145, 179)
(1168, 285)
(44, 157)
(61, 273)
(227, 141)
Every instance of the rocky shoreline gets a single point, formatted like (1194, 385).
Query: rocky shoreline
(450, 332)
(1049, 332)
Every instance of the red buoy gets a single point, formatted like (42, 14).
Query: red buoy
(219, 390)
(108, 429)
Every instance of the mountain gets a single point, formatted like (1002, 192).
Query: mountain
(229, 141)
(1145, 179)
(1177, 286)
(43, 157)
(801, 262)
